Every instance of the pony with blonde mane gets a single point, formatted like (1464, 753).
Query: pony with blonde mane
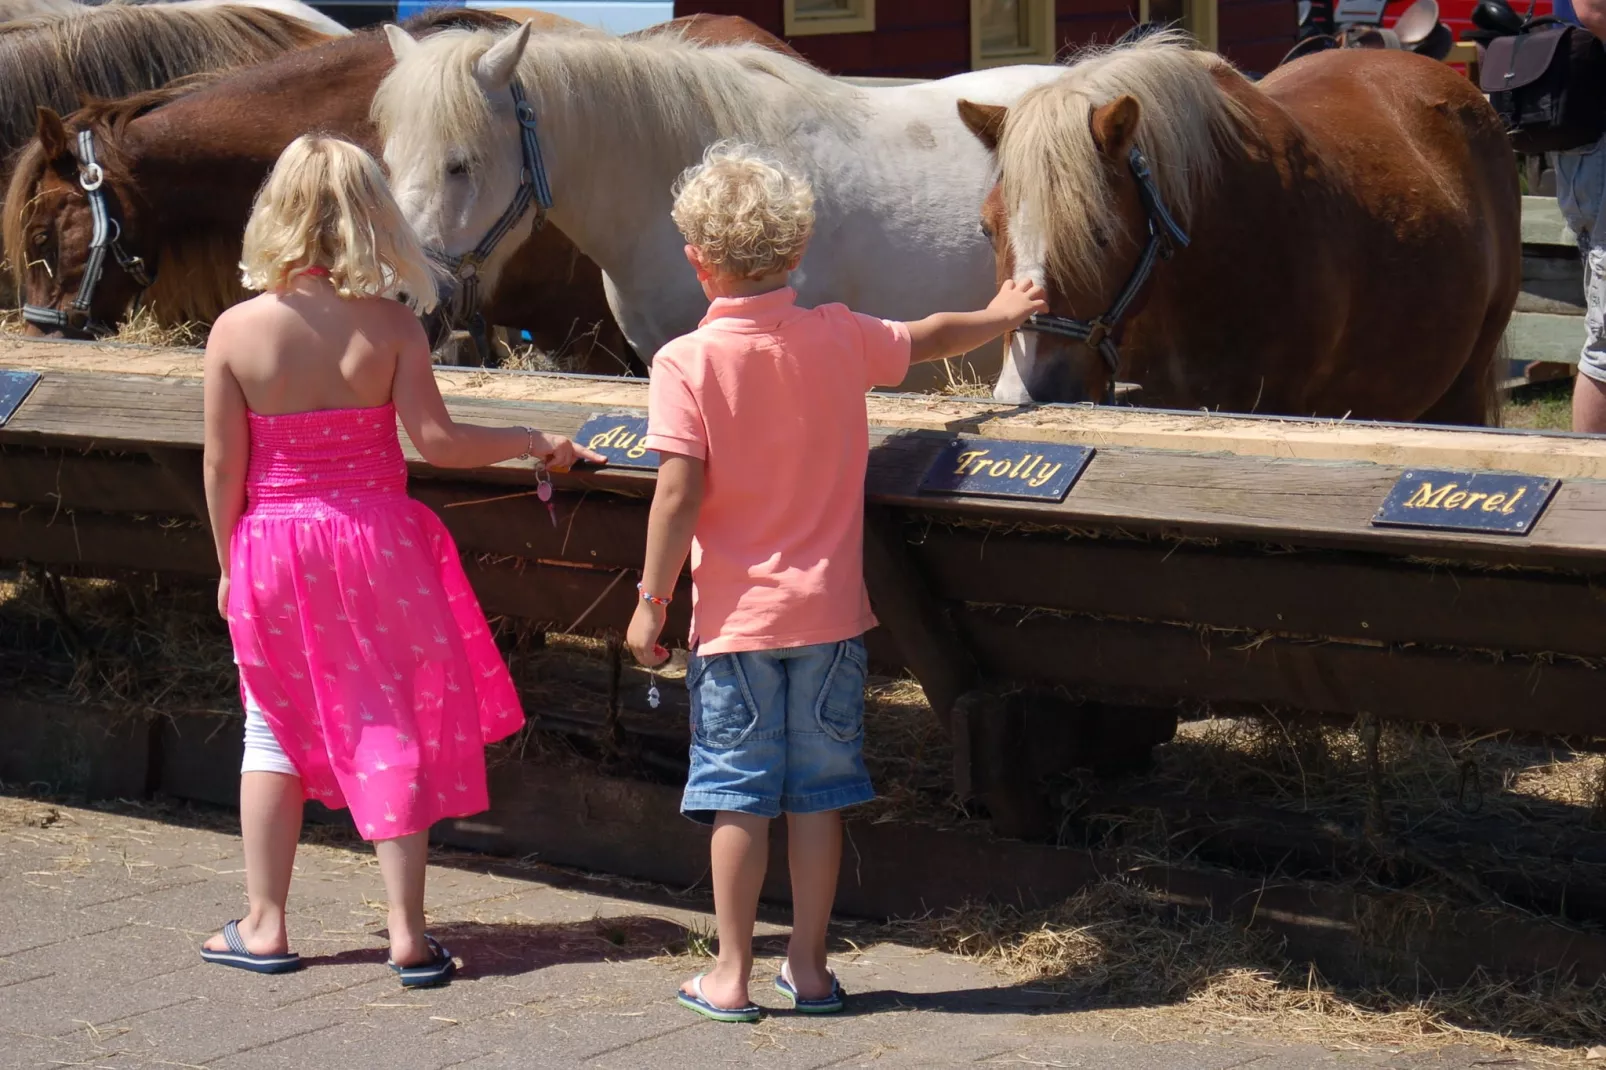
(1347, 233)
(897, 177)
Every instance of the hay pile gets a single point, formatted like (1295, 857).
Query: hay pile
(1178, 974)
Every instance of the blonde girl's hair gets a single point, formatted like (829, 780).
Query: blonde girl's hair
(326, 204)
(749, 215)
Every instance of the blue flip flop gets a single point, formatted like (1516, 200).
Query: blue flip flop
(238, 957)
(437, 971)
(700, 1003)
(827, 1005)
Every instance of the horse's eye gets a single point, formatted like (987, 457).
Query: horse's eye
(41, 238)
(987, 232)
(457, 167)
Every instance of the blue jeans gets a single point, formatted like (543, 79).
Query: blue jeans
(777, 731)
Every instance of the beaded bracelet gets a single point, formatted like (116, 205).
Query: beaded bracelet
(650, 599)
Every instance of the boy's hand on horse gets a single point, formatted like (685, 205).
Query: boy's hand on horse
(561, 454)
(1017, 300)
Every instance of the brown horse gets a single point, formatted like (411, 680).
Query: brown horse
(56, 57)
(182, 174)
(1341, 239)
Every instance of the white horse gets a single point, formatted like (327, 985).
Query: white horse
(898, 178)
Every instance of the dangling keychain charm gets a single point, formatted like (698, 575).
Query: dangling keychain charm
(652, 689)
(543, 492)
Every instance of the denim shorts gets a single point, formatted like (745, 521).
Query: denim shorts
(777, 731)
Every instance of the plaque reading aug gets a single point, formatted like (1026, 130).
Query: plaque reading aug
(618, 437)
(1466, 501)
(989, 468)
(14, 389)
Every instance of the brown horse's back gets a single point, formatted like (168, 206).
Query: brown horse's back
(1360, 256)
(1434, 238)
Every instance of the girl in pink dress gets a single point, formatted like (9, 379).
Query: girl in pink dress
(369, 677)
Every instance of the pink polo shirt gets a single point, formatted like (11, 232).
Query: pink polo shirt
(771, 397)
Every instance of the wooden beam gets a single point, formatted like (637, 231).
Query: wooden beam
(1149, 664)
(1558, 456)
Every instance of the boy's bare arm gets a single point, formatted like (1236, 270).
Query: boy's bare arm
(670, 526)
(948, 334)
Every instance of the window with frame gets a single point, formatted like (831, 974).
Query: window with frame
(1198, 17)
(804, 17)
(1011, 31)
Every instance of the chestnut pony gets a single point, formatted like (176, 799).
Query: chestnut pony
(182, 166)
(1341, 239)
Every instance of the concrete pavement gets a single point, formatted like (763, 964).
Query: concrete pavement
(101, 913)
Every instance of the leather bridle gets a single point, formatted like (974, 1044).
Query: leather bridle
(1103, 332)
(533, 188)
(106, 236)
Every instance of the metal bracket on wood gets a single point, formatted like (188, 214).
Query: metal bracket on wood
(918, 621)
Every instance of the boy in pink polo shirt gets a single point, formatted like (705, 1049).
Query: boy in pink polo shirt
(759, 418)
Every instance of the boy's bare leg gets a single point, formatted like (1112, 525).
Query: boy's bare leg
(814, 852)
(740, 854)
(402, 862)
(270, 827)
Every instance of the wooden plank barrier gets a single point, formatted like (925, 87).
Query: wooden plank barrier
(1200, 561)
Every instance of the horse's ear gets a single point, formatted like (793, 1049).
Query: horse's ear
(1115, 126)
(401, 42)
(52, 133)
(986, 121)
(497, 67)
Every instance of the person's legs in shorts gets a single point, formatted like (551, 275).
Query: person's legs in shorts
(825, 772)
(738, 756)
(1589, 389)
(270, 826)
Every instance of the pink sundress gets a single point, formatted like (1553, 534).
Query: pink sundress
(356, 630)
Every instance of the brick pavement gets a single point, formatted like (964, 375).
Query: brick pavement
(101, 913)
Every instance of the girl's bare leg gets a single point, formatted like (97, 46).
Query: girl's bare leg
(402, 862)
(270, 825)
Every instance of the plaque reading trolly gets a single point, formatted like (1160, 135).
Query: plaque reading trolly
(618, 437)
(14, 389)
(989, 468)
(1466, 501)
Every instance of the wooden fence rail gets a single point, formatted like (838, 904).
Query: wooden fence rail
(1200, 562)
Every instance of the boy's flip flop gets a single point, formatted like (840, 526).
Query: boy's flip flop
(827, 1005)
(238, 957)
(437, 971)
(699, 1003)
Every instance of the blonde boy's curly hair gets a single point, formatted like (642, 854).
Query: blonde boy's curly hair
(748, 214)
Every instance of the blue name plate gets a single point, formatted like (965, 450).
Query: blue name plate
(1466, 501)
(14, 390)
(618, 437)
(989, 468)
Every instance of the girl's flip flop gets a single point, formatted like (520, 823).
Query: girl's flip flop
(827, 1005)
(700, 1003)
(238, 957)
(437, 971)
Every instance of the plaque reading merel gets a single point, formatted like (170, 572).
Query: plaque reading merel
(989, 468)
(14, 390)
(618, 437)
(1466, 501)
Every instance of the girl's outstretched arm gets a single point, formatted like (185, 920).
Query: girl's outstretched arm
(445, 443)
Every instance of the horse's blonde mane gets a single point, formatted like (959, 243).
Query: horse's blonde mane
(1054, 178)
(59, 60)
(666, 94)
